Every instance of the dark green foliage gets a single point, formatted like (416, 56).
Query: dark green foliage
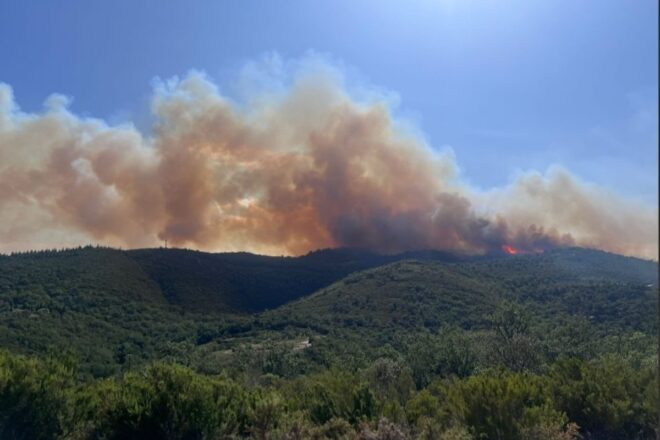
(96, 302)
(160, 344)
(494, 404)
(242, 282)
(513, 345)
(32, 397)
(170, 402)
(607, 398)
(450, 352)
(332, 394)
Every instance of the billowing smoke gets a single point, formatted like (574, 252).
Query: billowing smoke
(286, 170)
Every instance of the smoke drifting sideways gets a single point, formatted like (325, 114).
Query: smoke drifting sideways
(289, 169)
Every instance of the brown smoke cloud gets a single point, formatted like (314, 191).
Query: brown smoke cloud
(290, 170)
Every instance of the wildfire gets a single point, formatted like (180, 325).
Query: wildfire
(509, 249)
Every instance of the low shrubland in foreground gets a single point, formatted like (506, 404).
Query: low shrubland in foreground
(606, 398)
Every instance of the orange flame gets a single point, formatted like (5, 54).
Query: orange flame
(507, 248)
(510, 249)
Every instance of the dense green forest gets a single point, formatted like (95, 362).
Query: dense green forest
(338, 344)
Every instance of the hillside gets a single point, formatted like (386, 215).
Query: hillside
(108, 270)
(569, 308)
(402, 294)
(201, 281)
(429, 341)
(125, 307)
(98, 303)
(605, 288)
(122, 307)
(243, 282)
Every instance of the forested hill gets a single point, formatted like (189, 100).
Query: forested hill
(243, 282)
(109, 303)
(248, 283)
(395, 330)
(201, 281)
(606, 289)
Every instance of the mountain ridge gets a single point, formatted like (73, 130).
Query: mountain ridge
(114, 308)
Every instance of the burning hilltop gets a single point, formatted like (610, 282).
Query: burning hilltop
(291, 169)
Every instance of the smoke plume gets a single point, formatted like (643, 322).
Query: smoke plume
(287, 170)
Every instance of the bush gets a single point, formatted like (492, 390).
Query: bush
(32, 396)
(171, 402)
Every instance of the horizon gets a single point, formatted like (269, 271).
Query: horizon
(494, 253)
(526, 126)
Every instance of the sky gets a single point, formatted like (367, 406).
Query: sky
(509, 87)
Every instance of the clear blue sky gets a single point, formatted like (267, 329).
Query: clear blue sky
(509, 84)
